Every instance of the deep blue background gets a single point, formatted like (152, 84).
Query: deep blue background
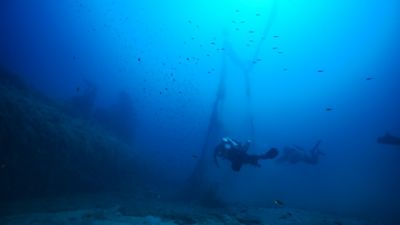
(168, 54)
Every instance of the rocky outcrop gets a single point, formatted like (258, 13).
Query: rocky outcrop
(44, 150)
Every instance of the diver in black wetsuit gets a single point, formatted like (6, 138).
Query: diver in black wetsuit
(297, 154)
(235, 152)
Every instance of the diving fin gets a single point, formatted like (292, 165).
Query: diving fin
(271, 154)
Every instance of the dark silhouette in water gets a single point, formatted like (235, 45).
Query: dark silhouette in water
(297, 154)
(235, 152)
(389, 139)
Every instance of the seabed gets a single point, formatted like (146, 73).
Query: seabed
(128, 209)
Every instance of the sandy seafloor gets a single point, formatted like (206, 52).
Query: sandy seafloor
(127, 209)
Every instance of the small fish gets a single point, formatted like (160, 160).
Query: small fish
(274, 48)
(278, 202)
(78, 89)
(320, 71)
(139, 59)
(285, 69)
(369, 78)
(328, 109)
(194, 156)
(275, 36)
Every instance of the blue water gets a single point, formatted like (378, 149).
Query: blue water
(325, 70)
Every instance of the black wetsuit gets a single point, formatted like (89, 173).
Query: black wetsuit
(237, 154)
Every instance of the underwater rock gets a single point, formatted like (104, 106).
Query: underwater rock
(119, 118)
(47, 151)
(81, 105)
(8, 78)
(249, 221)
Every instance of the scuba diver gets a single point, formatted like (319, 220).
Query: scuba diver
(235, 152)
(389, 139)
(297, 154)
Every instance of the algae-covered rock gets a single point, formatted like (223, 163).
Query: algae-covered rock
(44, 150)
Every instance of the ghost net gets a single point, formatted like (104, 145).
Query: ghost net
(199, 186)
